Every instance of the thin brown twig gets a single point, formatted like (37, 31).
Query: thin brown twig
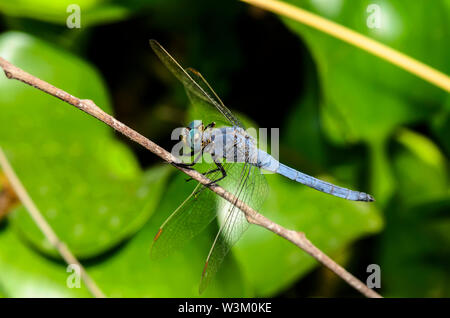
(89, 107)
(338, 31)
(46, 229)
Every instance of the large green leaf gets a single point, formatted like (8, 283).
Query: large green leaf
(272, 263)
(268, 263)
(415, 245)
(415, 251)
(87, 185)
(129, 271)
(178, 275)
(441, 127)
(58, 11)
(364, 97)
(420, 169)
(27, 273)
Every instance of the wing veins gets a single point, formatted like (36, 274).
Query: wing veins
(190, 84)
(225, 231)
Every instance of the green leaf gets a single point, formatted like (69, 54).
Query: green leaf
(27, 273)
(414, 247)
(383, 183)
(271, 263)
(420, 169)
(87, 185)
(91, 11)
(415, 251)
(441, 127)
(364, 97)
(422, 147)
(132, 273)
(128, 271)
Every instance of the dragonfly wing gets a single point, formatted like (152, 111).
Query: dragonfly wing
(252, 190)
(193, 82)
(203, 110)
(189, 219)
(218, 104)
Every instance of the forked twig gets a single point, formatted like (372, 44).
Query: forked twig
(89, 107)
(46, 229)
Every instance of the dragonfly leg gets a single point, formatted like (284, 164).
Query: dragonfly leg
(206, 173)
(199, 156)
(188, 165)
(219, 168)
(184, 165)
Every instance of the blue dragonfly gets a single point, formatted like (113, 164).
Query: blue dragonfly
(237, 164)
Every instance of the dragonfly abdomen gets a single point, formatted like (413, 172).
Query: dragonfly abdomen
(323, 186)
(267, 162)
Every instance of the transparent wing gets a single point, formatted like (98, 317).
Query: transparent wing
(198, 78)
(199, 209)
(189, 219)
(252, 190)
(194, 83)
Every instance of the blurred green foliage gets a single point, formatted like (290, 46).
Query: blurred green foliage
(343, 114)
(366, 98)
(56, 152)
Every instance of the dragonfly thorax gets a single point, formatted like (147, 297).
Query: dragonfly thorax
(196, 136)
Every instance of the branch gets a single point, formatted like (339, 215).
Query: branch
(44, 226)
(365, 43)
(89, 107)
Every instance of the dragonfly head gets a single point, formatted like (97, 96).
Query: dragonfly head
(192, 136)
